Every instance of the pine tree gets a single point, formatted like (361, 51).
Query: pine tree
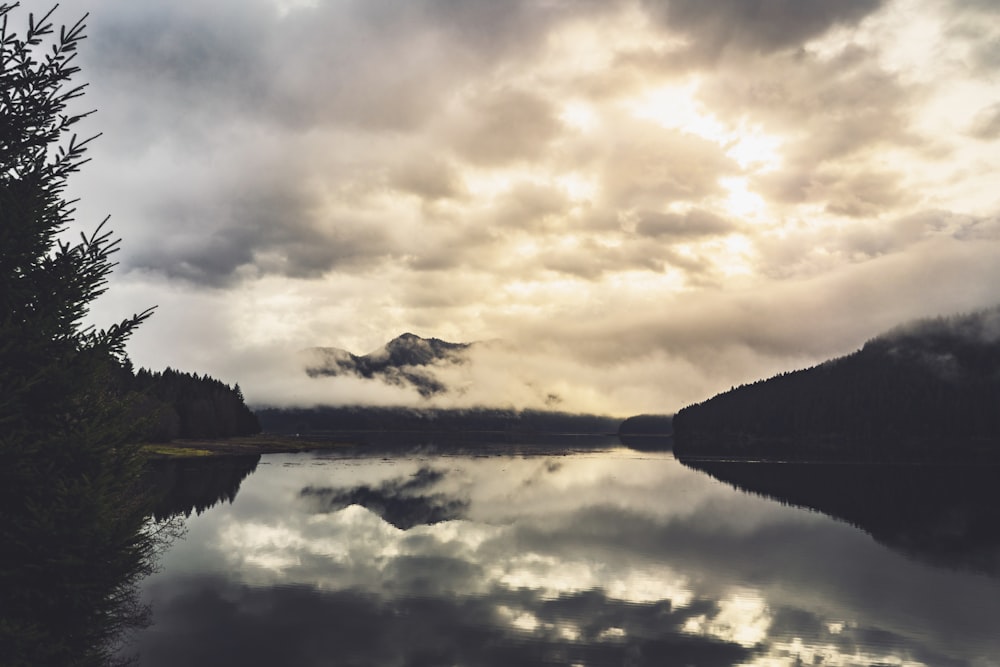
(71, 532)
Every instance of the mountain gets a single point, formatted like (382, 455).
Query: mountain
(404, 361)
(925, 391)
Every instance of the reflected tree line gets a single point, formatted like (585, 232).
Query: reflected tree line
(947, 516)
(182, 486)
(77, 547)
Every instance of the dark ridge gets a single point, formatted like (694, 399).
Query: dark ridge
(927, 391)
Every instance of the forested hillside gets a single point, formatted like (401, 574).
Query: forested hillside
(927, 390)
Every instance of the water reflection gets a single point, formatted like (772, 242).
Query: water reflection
(944, 515)
(182, 486)
(75, 541)
(595, 558)
(402, 502)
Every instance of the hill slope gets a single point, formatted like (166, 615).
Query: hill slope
(929, 390)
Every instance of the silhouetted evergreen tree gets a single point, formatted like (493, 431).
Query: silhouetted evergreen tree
(72, 537)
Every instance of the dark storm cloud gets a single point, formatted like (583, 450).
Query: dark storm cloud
(457, 247)
(979, 229)
(503, 126)
(987, 56)
(205, 82)
(875, 239)
(986, 124)
(978, 6)
(530, 206)
(591, 260)
(274, 229)
(855, 193)
(367, 64)
(690, 224)
(755, 25)
(187, 67)
(429, 178)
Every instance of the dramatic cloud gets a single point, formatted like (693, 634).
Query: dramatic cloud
(647, 201)
(986, 124)
(756, 25)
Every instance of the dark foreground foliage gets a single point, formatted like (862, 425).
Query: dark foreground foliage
(74, 535)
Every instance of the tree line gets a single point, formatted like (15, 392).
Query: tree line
(173, 404)
(374, 418)
(928, 390)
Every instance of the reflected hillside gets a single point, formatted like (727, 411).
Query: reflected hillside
(647, 433)
(182, 486)
(943, 515)
(402, 502)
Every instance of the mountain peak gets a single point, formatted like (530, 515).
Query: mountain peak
(407, 359)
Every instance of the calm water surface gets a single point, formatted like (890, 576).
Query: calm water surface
(592, 557)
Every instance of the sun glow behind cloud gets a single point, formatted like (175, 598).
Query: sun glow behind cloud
(502, 171)
(677, 107)
(740, 201)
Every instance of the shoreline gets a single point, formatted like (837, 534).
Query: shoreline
(261, 443)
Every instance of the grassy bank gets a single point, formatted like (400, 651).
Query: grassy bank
(262, 443)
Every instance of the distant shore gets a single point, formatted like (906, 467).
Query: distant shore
(262, 443)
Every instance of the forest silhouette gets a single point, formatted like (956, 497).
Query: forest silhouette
(927, 391)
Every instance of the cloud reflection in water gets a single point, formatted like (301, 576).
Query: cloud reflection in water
(595, 559)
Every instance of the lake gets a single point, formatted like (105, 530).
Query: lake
(585, 553)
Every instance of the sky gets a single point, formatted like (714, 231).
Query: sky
(640, 203)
